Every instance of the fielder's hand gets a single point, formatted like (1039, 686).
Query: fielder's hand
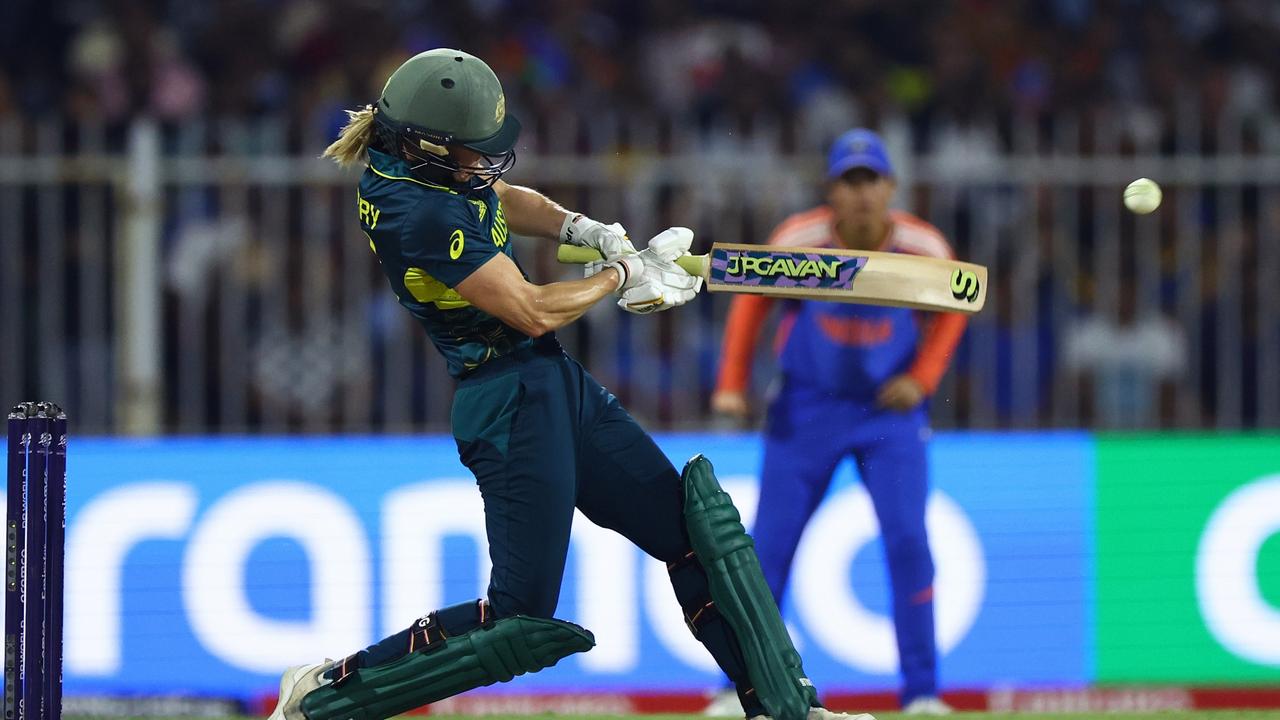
(610, 240)
(901, 393)
(650, 280)
(731, 403)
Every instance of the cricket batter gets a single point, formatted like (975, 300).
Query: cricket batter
(540, 434)
(855, 380)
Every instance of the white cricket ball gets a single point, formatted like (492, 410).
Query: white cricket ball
(1142, 196)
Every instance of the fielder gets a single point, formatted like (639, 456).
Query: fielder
(855, 380)
(540, 434)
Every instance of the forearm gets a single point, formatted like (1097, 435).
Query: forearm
(531, 213)
(500, 289)
(550, 307)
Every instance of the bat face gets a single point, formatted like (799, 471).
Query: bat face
(833, 274)
(783, 268)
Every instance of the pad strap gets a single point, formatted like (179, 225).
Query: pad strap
(427, 635)
(701, 617)
(345, 669)
(690, 558)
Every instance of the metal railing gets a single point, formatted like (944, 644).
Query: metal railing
(212, 278)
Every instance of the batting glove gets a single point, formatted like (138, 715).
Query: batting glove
(649, 280)
(610, 240)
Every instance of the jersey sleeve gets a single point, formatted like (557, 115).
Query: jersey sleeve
(446, 241)
(941, 333)
(747, 314)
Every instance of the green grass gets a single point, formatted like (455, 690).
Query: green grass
(1169, 715)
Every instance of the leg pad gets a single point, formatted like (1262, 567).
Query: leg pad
(484, 656)
(741, 596)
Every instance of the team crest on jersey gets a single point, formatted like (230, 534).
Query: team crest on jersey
(480, 207)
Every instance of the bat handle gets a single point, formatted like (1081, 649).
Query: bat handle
(578, 255)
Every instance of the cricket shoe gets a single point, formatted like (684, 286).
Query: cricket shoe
(296, 682)
(927, 705)
(825, 714)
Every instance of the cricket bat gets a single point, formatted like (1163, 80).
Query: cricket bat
(838, 275)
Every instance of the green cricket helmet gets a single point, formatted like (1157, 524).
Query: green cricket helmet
(446, 97)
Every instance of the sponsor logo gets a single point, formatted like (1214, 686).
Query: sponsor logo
(965, 285)
(456, 241)
(1229, 577)
(433, 148)
(789, 267)
(1105, 700)
(190, 556)
(855, 331)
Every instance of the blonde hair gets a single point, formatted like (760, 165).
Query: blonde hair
(353, 139)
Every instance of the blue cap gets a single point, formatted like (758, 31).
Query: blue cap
(858, 148)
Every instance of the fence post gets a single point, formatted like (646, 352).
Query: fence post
(137, 290)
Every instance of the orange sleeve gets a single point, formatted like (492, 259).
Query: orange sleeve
(747, 314)
(942, 332)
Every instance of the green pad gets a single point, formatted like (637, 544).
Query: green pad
(510, 647)
(741, 596)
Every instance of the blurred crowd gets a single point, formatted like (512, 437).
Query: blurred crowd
(820, 61)
(1147, 349)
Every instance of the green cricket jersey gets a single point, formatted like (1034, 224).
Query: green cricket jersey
(429, 238)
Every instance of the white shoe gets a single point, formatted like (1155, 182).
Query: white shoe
(724, 703)
(927, 705)
(296, 682)
(825, 714)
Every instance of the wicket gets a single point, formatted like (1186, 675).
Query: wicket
(35, 525)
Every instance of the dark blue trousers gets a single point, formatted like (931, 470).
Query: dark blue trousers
(807, 435)
(543, 437)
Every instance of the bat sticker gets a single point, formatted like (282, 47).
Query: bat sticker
(782, 268)
(964, 285)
